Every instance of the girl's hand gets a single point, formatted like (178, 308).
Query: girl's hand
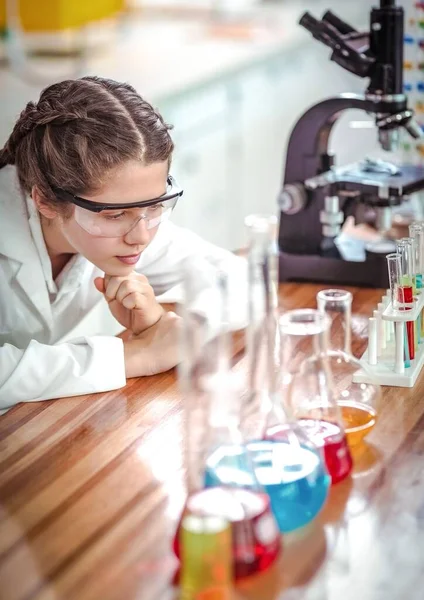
(155, 350)
(131, 301)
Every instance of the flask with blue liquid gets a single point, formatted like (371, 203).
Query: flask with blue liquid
(286, 464)
(212, 399)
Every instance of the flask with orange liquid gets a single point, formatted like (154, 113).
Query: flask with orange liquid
(358, 402)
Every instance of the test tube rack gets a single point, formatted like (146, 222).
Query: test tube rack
(384, 360)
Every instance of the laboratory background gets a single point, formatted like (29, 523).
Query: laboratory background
(232, 76)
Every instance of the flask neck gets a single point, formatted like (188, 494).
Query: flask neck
(263, 343)
(204, 374)
(337, 305)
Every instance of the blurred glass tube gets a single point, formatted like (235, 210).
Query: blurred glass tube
(416, 232)
(395, 276)
(205, 343)
(404, 248)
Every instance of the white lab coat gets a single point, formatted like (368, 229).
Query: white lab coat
(57, 338)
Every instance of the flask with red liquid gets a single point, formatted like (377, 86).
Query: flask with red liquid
(212, 399)
(309, 388)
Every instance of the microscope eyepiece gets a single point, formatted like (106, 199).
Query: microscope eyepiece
(309, 22)
(341, 26)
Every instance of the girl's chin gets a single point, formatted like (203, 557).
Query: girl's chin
(114, 267)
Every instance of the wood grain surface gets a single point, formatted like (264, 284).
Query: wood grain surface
(91, 489)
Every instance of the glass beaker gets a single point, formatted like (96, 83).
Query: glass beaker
(221, 478)
(286, 462)
(358, 402)
(206, 552)
(309, 389)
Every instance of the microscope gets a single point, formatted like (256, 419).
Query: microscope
(317, 196)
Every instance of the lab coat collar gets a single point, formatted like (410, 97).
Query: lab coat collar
(15, 230)
(16, 243)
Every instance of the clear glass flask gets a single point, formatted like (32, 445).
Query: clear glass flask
(221, 476)
(287, 464)
(358, 402)
(309, 389)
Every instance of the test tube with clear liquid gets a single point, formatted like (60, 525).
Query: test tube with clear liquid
(397, 301)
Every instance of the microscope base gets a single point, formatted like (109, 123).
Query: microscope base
(317, 269)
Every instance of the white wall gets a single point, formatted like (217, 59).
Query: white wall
(231, 134)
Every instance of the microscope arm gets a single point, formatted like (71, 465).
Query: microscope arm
(307, 152)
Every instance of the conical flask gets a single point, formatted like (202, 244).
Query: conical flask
(287, 463)
(358, 402)
(222, 480)
(308, 386)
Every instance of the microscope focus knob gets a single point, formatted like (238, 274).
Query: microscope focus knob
(292, 198)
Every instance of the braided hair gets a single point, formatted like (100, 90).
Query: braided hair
(80, 130)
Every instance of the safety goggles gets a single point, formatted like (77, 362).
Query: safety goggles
(116, 220)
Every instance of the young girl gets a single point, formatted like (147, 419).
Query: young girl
(86, 245)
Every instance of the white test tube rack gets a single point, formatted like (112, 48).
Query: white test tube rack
(383, 361)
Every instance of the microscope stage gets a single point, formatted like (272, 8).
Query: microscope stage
(351, 178)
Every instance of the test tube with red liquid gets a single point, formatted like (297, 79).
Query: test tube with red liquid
(405, 248)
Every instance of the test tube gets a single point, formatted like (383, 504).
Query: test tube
(405, 248)
(416, 231)
(394, 268)
(394, 262)
(410, 255)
